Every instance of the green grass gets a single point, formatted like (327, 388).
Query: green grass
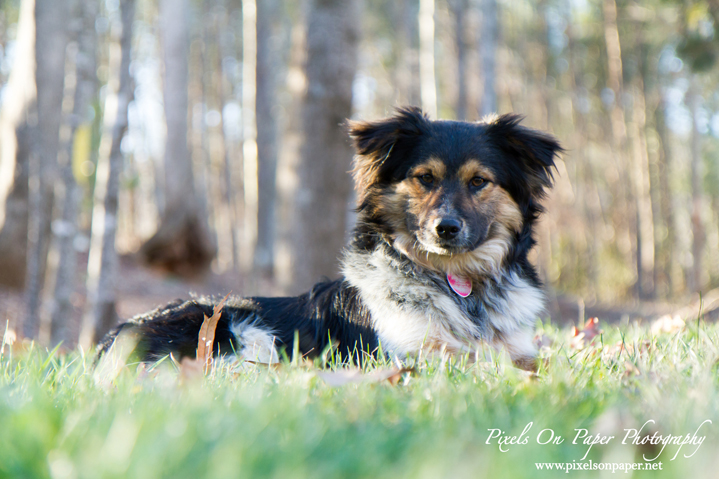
(57, 419)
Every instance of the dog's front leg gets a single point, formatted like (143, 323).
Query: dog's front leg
(521, 348)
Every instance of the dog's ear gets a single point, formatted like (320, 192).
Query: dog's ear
(535, 150)
(377, 143)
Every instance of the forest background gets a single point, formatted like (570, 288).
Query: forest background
(153, 147)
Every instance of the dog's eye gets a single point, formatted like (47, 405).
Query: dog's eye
(427, 178)
(477, 181)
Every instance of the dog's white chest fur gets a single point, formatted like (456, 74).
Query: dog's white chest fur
(410, 312)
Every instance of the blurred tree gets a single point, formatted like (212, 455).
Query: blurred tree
(17, 119)
(488, 40)
(459, 11)
(666, 248)
(182, 243)
(406, 37)
(267, 66)
(613, 99)
(322, 189)
(427, 80)
(103, 268)
(694, 275)
(51, 17)
(698, 48)
(62, 267)
(249, 135)
(224, 49)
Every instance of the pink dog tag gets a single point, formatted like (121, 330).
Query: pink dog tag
(461, 285)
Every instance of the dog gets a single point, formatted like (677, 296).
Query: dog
(437, 260)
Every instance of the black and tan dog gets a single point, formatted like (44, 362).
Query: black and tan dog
(438, 259)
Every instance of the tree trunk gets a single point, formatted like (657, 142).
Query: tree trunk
(249, 136)
(17, 117)
(642, 194)
(694, 280)
(667, 251)
(406, 56)
(183, 243)
(102, 269)
(51, 18)
(459, 10)
(267, 147)
(428, 83)
(222, 50)
(488, 38)
(62, 273)
(624, 206)
(321, 193)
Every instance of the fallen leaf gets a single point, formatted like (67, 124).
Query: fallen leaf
(9, 338)
(191, 369)
(642, 347)
(543, 341)
(584, 337)
(206, 338)
(668, 324)
(355, 376)
(630, 370)
(393, 376)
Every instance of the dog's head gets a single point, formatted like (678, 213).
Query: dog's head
(453, 196)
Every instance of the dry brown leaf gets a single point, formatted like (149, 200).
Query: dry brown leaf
(668, 324)
(355, 376)
(393, 376)
(584, 337)
(643, 347)
(543, 341)
(191, 369)
(630, 370)
(9, 337)
(206, 338)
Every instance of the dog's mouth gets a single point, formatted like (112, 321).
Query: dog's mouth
(483, 255)
(445, 248)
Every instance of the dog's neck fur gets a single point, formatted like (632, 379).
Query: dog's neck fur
(413, 308)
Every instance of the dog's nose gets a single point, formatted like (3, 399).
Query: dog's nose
(448, 228)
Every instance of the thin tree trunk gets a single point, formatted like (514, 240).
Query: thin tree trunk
(489, 38)
(624, 205)
(428, 83)
(459, 10)
(406, 56)
(249, 133)
(50, 42)
(587, 194)
(694, 281)
(183, 243)
(667, 258)
(62, 275)
(229, 176)
(201, 93)
(322, 190)
(16, 117)
(267, 147)
(102, 270)
(642, 195)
